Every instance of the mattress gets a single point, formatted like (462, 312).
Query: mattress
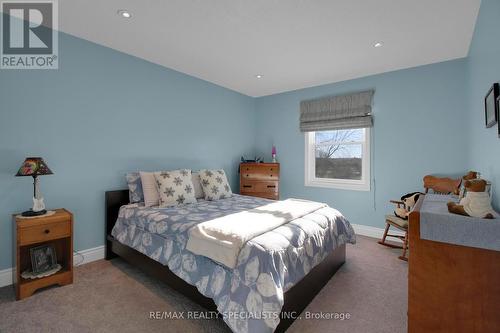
(250, 296)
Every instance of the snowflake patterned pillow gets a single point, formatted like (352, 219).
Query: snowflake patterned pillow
(215, 184)
(175, 187)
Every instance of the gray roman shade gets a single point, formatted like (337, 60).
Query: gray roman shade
(337, 112)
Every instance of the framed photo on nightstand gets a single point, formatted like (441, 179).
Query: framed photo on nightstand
(491, 106)
(43, 258)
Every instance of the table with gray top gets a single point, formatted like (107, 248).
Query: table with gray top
(437, 224)
(454, 269)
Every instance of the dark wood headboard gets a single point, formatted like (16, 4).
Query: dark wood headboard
(114, 200)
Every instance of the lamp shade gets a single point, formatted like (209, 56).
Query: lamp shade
(33, 166)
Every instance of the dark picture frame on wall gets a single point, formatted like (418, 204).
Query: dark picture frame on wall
(491, 106)
(498, 115)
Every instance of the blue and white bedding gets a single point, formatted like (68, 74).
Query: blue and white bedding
(250, 296)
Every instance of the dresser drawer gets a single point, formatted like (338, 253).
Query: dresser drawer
(266, 195)
(259, 168)
(262, 186)
(44, 232)
(257, 172)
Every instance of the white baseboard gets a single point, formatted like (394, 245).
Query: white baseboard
(89, 255)
(5, 277)
(79, 258)
(374, 232)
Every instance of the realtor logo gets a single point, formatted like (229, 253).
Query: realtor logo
(29, 35)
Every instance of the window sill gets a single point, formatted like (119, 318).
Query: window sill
(340, 185)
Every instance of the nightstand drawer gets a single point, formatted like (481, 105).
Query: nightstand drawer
(44, 232)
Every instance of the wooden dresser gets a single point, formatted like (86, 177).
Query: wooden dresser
(260, 180)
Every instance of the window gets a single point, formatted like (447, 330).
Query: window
(338, 159)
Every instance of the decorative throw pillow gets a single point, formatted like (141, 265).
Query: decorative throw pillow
(175, 187)
(151, 197)
(134, 183)
(215, 184)
(198, 190)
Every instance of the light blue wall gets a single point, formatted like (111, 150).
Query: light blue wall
(104, 113)
(483, 69)
(419, 117)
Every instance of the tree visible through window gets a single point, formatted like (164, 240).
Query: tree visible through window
(338, 156)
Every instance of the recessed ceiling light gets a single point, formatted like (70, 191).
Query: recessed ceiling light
(378, 44)
(259, 76)
(124, 13)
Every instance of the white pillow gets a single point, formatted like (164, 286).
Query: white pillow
(175, 187)
(198, 190)
(151, 197)
(215, 184)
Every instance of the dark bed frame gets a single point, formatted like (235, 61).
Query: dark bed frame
(295, 299)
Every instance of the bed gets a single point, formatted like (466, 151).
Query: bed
(278, 273)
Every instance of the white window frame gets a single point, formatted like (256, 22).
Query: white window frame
(345, 184)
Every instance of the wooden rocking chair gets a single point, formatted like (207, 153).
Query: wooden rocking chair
(431, 183)
(398, 223)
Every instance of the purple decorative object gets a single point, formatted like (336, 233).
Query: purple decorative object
(273, 153)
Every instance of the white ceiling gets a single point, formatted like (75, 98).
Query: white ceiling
(293, 43)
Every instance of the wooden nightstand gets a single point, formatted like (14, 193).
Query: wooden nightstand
(56, 230)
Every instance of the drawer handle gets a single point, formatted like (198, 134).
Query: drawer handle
(247, 175)
(247, 186)
(47, 231)
(271, 186)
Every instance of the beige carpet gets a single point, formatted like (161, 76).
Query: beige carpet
(112, 296)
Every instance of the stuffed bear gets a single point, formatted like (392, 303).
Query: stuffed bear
(409, 200)
(469, 176)
(476, 203)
